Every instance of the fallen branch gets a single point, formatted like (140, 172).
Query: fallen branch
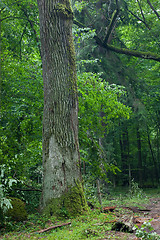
(109, 209)
(27, 190)
(53, 227)
(124, 225)
(30, 187)
(137, 209)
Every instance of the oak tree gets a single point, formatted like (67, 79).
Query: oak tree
(62, 190)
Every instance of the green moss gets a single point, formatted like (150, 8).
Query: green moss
(70, 204)
(72, 66)
(144, 55)
(18, 212)
(64, 11)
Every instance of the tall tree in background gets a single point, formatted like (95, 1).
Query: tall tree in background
(62, 178)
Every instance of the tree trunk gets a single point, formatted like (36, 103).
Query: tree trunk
(124, 146)
(140, 167)
(153, 158)
(62, 191)
(99, 192)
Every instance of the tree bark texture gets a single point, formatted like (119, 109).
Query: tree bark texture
(61, 162)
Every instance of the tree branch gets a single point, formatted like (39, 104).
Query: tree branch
(151, 6)
(2, 9)
(32, 27)
(134, 53)
(28, 190)
(111, 26)
(12, 17)
(139, 19)
(53, 227)
(81, 25)
(30, 187)
(141, 11)
(20, 41)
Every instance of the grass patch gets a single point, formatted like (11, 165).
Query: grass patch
(89, 226)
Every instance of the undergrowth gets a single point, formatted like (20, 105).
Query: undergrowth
(93, 225)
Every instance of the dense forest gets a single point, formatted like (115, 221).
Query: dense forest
(118, 74)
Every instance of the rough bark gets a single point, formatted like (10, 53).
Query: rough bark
(61, 162)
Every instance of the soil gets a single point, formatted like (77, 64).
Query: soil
(137, 217)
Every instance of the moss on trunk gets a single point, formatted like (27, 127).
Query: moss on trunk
(61, 195)
(70, 204)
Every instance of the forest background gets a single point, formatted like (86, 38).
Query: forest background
(118, 87)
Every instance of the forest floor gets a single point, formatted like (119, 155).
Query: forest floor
(149, 212)
(120, 213)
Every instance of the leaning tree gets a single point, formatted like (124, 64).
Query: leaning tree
(62, 189)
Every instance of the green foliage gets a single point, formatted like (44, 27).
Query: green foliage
(90, 188)
(146, 231)
(18, 211)
(21, 99)
(82, 34)
(100, 109)
(135, 191)
(5, 183)
(79, 6)
(96, 96)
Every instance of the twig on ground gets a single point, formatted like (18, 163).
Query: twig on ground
(53, 227)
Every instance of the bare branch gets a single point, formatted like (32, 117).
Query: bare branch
(28, 190)
(12, 17)
(20, 41)
(2, 9)
(151, 6)
(141, 11)
(53, 227)
(139, 19)
(30, 187)
(32, 27)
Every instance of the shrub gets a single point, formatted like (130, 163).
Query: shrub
(17, 212)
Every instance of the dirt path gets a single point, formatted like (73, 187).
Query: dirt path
(139, 216)
(154, 213)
